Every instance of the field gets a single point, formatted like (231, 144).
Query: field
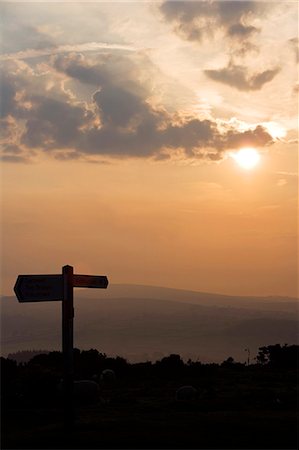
(237, 406)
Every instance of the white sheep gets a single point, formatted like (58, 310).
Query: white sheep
(186, 393)
(108, 376)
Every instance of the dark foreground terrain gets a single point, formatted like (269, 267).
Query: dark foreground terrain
(235, 405)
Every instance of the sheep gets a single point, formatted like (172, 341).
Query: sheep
(186, 393)
(85, 391)
(108, 377)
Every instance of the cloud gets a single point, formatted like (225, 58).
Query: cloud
(53, 122)
(14, 158)
(238, 77)
(76, 67)
(17, 34)
(256, 137)
(7, 95)
(288, 174)
(282, 182)
(241, 31)
(119, 107)
(15, 154)
(120, 119)
(294, 44)
(29, 53)
(232, 21)
(195, 21)
(12, 149)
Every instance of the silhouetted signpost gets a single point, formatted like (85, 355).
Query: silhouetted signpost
(42, 288)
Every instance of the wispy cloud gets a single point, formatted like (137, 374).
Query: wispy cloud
(287, 174)
(281, 182)
(86, 47)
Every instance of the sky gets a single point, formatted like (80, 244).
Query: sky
(120, 125)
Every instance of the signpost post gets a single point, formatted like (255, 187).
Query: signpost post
(41, 288)
(67, 345)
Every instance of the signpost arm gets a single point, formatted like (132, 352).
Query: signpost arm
(67, 345)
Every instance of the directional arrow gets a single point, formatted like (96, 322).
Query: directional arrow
(90, 281)
(39, 288)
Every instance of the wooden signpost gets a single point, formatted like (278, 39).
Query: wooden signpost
(42, 288)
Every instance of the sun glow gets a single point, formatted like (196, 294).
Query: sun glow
(275, 129)
(247, 158)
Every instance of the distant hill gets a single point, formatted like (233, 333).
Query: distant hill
(25, 355)
(146, 322)
(185, 296)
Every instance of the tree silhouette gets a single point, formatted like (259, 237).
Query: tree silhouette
(278, 356)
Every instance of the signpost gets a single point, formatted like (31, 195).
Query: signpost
(41, 288)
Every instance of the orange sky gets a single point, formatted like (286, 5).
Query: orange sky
(116, 143)
(212, 228)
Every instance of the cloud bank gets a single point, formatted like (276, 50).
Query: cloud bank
(41, 113)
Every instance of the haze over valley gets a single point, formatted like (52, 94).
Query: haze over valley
(146, 323)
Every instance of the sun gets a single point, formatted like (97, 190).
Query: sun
(247, 157)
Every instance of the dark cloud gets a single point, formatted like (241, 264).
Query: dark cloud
(185, 18)
(14, 158)
(11, 149)
(106, 70)
(13, 84)
(8, 129)
(196, 138)
(120, 120)
(196, 20)
(191, 134)
(67, 155)
(239, 78)
(8, 91)
(15, 154)
(119, 106)
(258, 137)
(53, 122)
(232, 12)
(74, 66)
(241, 31)
(295, 46)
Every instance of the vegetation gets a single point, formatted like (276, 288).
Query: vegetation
(278, 356)
(237, 406)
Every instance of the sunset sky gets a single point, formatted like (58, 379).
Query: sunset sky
(120, 125)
